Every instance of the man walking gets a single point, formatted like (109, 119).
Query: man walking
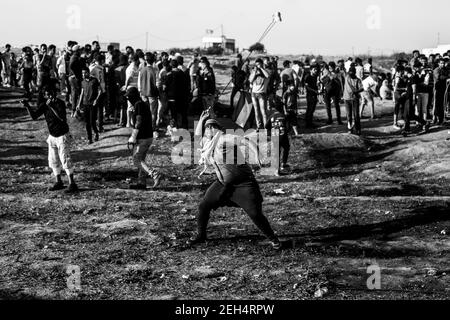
(141, 138)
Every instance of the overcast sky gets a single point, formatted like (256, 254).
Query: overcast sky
(316, 26)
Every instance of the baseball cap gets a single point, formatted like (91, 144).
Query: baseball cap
(213, 122)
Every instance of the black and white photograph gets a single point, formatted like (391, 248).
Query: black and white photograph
(220, 157)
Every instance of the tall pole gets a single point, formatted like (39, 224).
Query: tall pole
(439, 38)
(222, 37)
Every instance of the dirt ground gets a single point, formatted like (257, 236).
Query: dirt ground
(348, 204)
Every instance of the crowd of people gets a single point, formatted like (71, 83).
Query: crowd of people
(94, 83)
(149, 91)
(419, 89)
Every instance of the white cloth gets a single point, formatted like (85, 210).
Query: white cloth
(347, 65)
(61, 65)
(97, 72)
(132, 73)
(359, 72)
(369, 84)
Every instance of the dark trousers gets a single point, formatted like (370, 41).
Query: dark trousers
(178, 111)
(111, 101)
(245, 197)
(75, 91)
(284, 148)
(409, 114)
(439, 99)
(100, 106)
(353, 117)
(122, 102)
(91, 117)
(400, 102)
(234, 91)
(336, 99)
(311, 103)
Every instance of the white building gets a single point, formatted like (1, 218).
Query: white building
(229, 45)
(441, 49)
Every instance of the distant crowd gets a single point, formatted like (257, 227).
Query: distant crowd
(94, 83)
(418, 87)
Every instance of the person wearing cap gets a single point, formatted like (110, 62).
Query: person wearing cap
(59, 139)
(141, 138)
(236, 185)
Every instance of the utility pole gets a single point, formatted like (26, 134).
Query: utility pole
(438, 38)
(223, 38)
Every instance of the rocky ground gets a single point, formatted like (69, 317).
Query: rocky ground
(349, 203)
